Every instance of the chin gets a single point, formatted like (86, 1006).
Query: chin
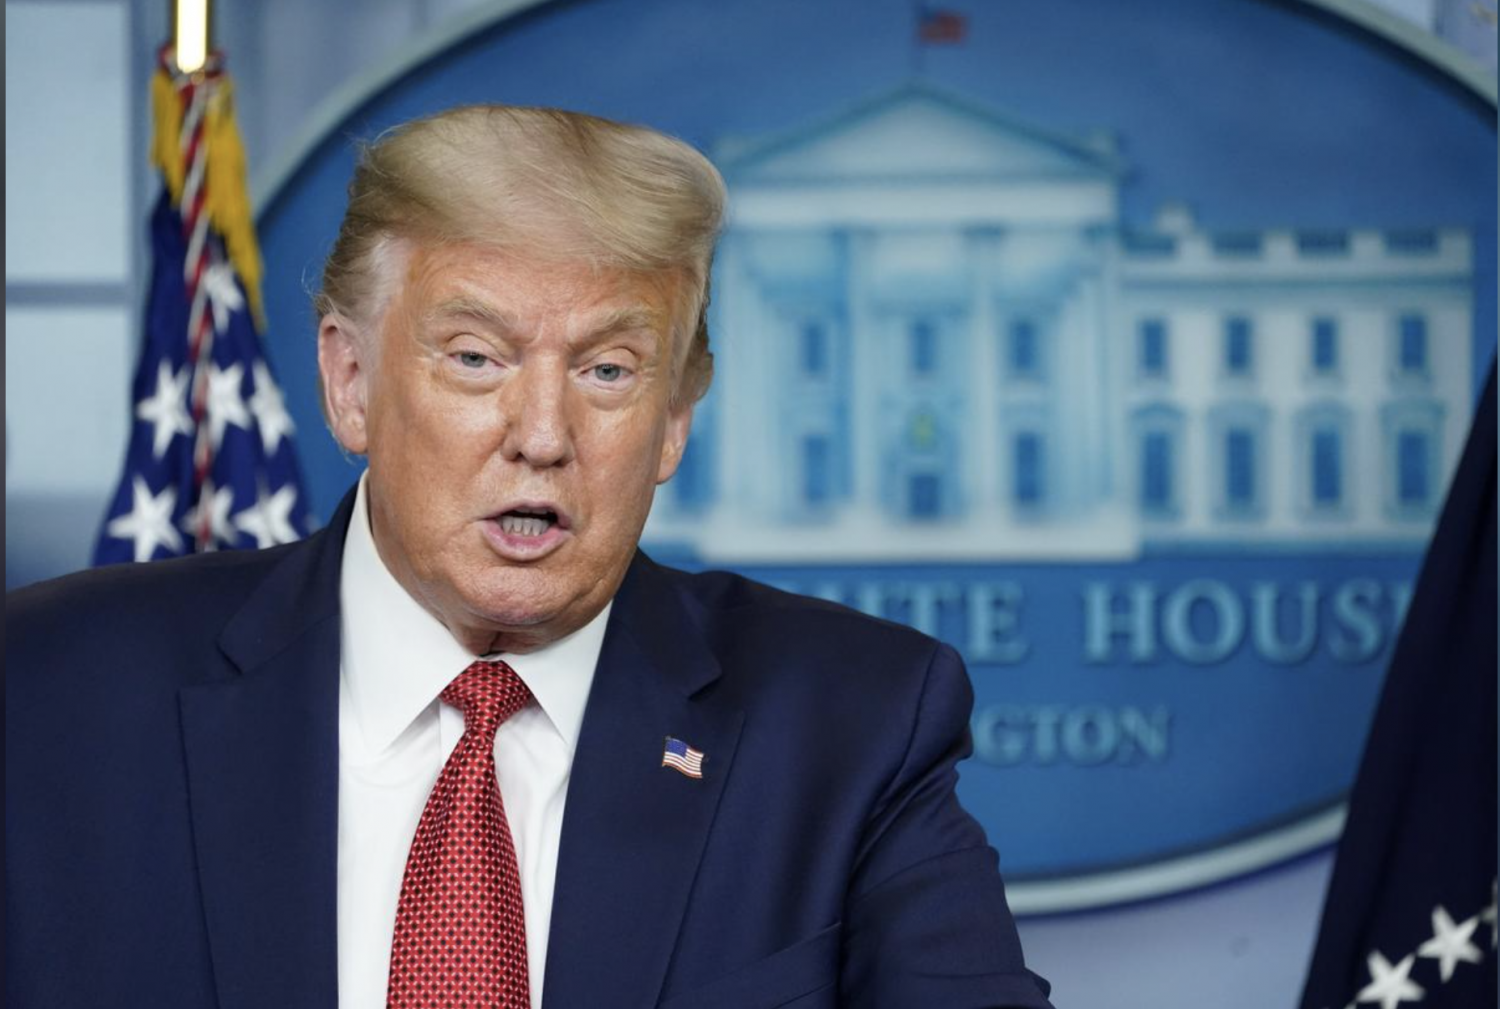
(510, 603)
(507, 613)
(530, 602)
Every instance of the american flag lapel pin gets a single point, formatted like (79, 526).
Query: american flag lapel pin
(679, 755)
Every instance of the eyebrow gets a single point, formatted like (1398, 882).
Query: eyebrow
(473, 308)
(621, 320)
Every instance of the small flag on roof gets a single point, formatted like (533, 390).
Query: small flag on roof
(941, 27)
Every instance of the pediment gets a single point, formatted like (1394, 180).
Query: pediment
(915, 134)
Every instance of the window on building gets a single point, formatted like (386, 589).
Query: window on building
(1327, 461)
(1411, 352)
(923, 337)
(924, 497)
(1156, 435)
(816, 480)
(1239, 350)
(1027, 469)
(1157, 470)
(1239, 468)
(1325, 345)
(1024, 350)
(1152, 339)
(1413, 468)
(814, 349)
(1412, 474)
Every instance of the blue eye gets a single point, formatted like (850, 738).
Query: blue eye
(471, 359)
(609, 372)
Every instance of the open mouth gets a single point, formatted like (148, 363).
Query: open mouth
(527, 522)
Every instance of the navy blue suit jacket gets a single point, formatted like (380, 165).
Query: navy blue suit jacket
(172, 799)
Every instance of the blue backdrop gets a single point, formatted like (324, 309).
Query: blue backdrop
(1100, 745)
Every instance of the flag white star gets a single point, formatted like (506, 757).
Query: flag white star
(214, 503)
(224, 296)
(225, 404)
(269, 519)
(166, 408)
(149, 521)
(1450, 943)
(1390, 986)
(269, 408)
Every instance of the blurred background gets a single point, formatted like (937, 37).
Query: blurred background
(1129, 348)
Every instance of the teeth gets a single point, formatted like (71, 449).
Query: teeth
(523, 525)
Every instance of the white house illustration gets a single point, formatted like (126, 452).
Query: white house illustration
(936, 340)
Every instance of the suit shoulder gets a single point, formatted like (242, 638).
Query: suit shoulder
(761, 617)
(809, 673)
(100, 602)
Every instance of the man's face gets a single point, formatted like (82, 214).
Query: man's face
(517, 418)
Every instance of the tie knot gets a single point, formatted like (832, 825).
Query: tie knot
(487, 693)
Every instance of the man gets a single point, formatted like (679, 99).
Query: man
(467, 746)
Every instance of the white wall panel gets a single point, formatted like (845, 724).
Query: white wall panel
(1242, 945)
(67, 399)
(68, 93)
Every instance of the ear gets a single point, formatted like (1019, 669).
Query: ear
(345, 373)
(679, 423)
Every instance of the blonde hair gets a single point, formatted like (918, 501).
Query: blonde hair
(556, 184)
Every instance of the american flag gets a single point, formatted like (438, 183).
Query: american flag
(210, 463)
(1411, 915)
(683, 757)
(941, 27)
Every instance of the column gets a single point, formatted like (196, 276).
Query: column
(984, 452)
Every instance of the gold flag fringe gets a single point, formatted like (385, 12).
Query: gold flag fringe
(166, 114)
(226, 193)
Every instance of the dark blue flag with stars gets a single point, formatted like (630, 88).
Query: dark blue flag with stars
(1410, 913)
(210, 463)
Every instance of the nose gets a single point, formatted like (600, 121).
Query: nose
(535, 405)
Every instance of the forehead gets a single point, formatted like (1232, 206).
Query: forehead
(511, 288)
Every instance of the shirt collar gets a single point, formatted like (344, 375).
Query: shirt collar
(397, 657)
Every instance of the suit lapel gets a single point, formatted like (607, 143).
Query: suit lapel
(633, 830)
(262, 755)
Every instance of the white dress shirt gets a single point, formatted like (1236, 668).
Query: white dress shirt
(395, 735)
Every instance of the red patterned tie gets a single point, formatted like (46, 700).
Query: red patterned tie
(460, 930)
